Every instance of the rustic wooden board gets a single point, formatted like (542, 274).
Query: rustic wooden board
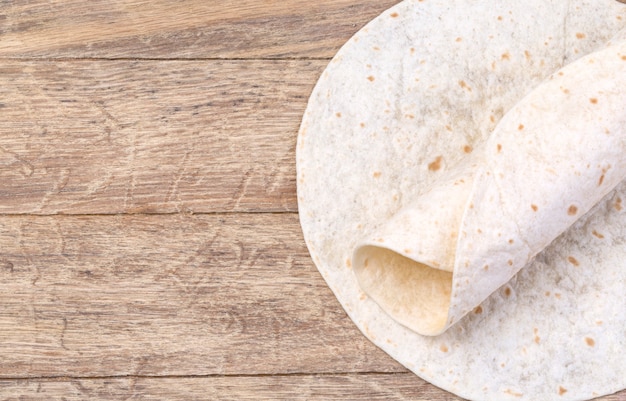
(345, 387)
(181, 29)
(169, 295)
(387, 387)
(151, 136)
(119, 120)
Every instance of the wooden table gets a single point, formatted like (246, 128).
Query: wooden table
(149, 238)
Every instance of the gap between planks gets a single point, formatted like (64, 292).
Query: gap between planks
(53, 378)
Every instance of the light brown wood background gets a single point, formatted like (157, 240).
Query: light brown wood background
(149, 238)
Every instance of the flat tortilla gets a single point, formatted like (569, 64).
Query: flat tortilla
(415, 94)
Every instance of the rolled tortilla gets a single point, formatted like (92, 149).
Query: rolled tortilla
(404, 111)
(551, 158)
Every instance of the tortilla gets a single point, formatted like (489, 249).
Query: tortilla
(521, 274)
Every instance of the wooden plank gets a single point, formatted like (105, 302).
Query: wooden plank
(350, 387)
(182, 29)
(387, 387)
(151, 136)
(88, 296)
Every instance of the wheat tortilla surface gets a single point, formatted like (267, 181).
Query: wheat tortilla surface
(408, 98)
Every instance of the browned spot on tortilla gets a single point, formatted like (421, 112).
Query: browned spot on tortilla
(507, 291)
(537, 338)
(511, 241)
(573, 261)
(376, 48)
(580, 35)
(371, 78)
(407, 251)
(534, 207)
(377, 174)
(479, 231)
(366, 262)
(381, 240)
(486, 267)
(412, 50)
(562, 390)
(499, 148)
(478, 310)
(624, 58)
(394, 15)
(520, 127)
(597, 234)
(448, 128)
(593, 100)
(443, 348)
(590, 341)
(572, 210)
(459, 39)
(513, 393)
(492, 118)
(599, 322)
(510, 262)
(435, 165)
(547, 293)
(601, 180)
(348, 263)
(505, 56)
(471, 206)
(499, 18)
(565, 90)
(618, 204)
(410, 116)
(464, 85)
(362, 125)
(557, 295)
(493, 65)
(467, 149)
(338, 115)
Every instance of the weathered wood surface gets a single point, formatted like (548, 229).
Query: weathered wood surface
(181, 29)
(151, 136)
(348, 387)
(149, 245)
(166, 295)
(344, 387)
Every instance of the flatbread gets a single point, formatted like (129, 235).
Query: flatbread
(428, 95)
(550, 159)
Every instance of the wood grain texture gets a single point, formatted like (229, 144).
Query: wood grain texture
(169, 295)
(348, 387)
(151, 137)
(181, 29)
(345, 387)
(147, 179)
